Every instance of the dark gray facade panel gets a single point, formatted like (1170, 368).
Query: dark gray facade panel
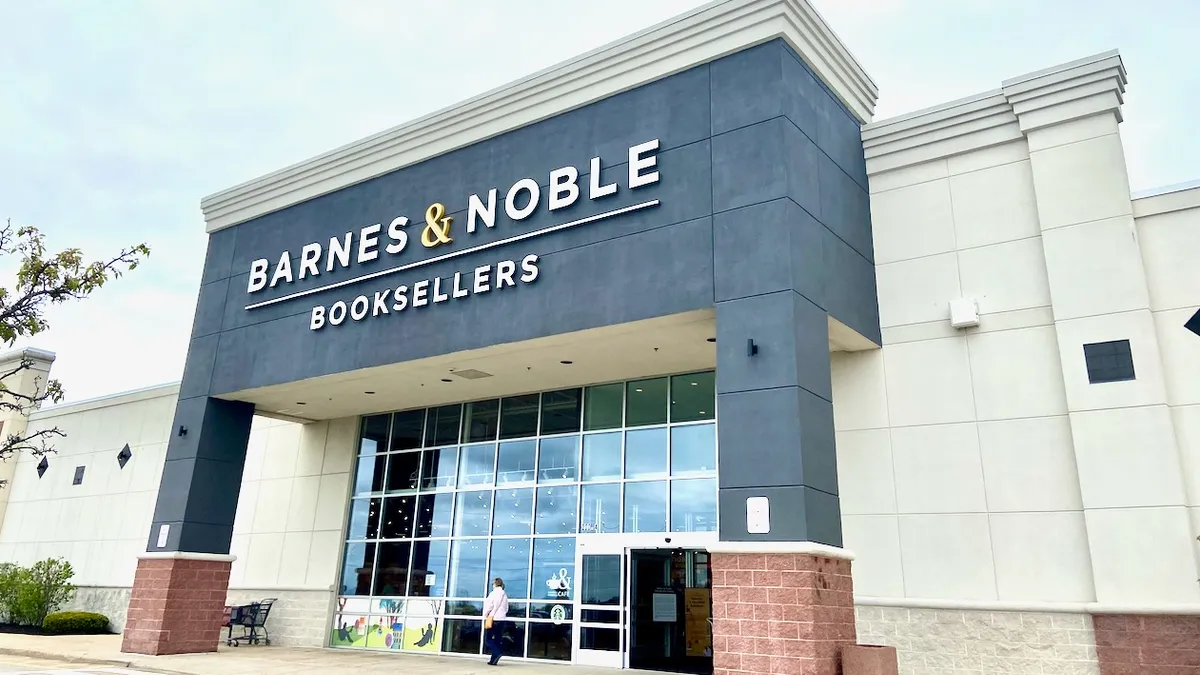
(792, 338)
(202, 475)
(762, 214)
(788, 431)
(798, 513)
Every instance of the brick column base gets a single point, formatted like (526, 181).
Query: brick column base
(780, 613)
(177, 604)
(1132, 644)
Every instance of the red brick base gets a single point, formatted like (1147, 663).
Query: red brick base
(780, 613)
(1130, 644)
(176, 606)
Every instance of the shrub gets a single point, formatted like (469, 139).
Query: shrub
(75, 623)
(11, 579)
(42, 589)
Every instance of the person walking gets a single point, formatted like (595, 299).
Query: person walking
(495, 611)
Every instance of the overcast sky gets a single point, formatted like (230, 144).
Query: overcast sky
(118, 116)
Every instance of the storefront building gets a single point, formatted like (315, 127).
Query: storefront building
(717, 373)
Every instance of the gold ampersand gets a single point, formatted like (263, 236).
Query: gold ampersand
(437, 226)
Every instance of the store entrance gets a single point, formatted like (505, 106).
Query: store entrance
(669, 611)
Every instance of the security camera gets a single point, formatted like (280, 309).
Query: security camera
(667, 539)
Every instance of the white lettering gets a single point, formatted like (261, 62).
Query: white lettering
(459, 292)
(283, 270)
(420, 291)
(563, 180)
(481, 278)
(476, 209)
(637, 163)
(339, 251)
(401, 298)
(258, 275)
(529, 268)
(380, 305)
(368, 241)
(504, 273)
(438, 295)
(318, 318)
(309, 255)
(358, 308)
(595, 189)
(510, 202)
(398, 235)
(337, 313)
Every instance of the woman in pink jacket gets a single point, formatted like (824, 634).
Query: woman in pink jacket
(495, 611)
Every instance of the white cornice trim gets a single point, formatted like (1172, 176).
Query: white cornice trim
(798, 547)
(710, 32)
(32, 353)
(1032, 607)
(1070, 91)
(1167, 199)
(107, 401)
(183, 555)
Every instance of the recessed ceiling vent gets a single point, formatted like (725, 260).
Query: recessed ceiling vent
(471, 374)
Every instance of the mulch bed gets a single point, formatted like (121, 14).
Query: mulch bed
(21, 630)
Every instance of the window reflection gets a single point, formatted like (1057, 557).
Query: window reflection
(558, 459)
(404, 471)
(368, 477)
(646, 507)
(602, 456)
(519, 416)
(481, 421)
(364, 519)
(693, 397)
(694, 505)
(357, 567)
(601, 507)
(429, 561)
(510, 562)
(553, 568)
(374, 434)
(433, 514)
(646, 453)
(438, 467)
(397, 518)
(561, 411)
(468, 568)
(604, 407)
(515, 462)
(513, 512)
(406, 430)
(556, 510)
(693, 449)
(443, 426)
(477, 464)
(391, 574)
(473, 513)
(646, 402)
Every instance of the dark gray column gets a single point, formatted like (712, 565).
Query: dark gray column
(202, 476)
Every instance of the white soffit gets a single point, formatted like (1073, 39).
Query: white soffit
(710, 32)
(1088, 86)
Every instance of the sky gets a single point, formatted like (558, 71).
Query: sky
(118, 116)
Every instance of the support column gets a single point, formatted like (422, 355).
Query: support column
(782, 608)
(180, 586)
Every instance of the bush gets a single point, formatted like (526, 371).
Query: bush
(29, 594)
(11, 579)
(75, 623)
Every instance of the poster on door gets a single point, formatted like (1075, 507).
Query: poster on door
(697, 605)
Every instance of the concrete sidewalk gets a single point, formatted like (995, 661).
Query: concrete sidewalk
(105, 650)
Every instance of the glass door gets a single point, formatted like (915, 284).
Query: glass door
(600, 622)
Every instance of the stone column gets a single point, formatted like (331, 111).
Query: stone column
(177, 603)
(785, 609)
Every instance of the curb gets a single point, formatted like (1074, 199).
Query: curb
(51, 656)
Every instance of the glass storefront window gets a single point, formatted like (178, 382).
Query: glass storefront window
(693, 449)
(694, 505)
(646, 453)
(433, 514)
(519, 416)
(604, 407)
(438, 468)
(369, 475)
(473, 514)
(373, 436)
(646, 402)
(646, 507)
(429, 561)
(357, 567)
(407, 428)
(510, 562)
(556, 510)
(397, 520)
(364, 519)
(447, 498)
(693, 397)
(404, 471)
(561, 411)
(602, 456)
(601, 507)
(481, 421)
(476, 464)
(468, 568)
(513, 512)
(443, 424)
(515, 462)
(602, 580)
(553, 569)
(558, 459)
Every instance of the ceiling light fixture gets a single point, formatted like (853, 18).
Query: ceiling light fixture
(301, 403)
(446, 379)
(711, 340)
(368, 393)
(566, 363)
